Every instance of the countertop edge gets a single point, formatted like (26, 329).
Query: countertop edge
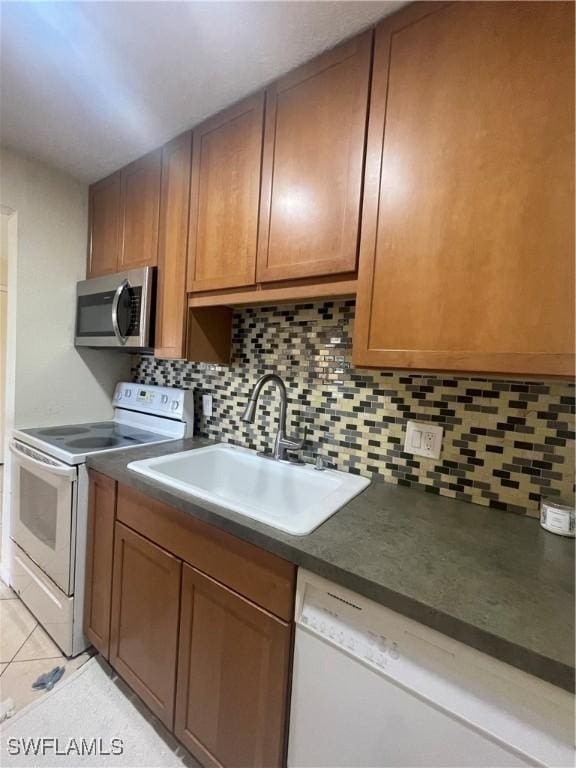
(518, 656)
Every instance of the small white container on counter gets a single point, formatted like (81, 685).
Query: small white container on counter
(558, 516)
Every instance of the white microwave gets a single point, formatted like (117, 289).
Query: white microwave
(117, 311)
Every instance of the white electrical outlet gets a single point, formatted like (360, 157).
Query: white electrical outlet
(423, 439)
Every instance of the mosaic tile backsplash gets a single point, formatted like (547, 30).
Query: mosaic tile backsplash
(506, 443)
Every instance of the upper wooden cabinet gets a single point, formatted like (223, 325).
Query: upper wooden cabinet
(141, 211)
(171, 309)
(274, 194)
(226, 167)
(312, 166)
(467, 242)
(139, 218)
(124, 218)
(105, 219)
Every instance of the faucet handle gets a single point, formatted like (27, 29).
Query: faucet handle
(295, 444)
(324, 462)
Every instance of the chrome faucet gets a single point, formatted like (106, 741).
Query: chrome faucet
(282, 444)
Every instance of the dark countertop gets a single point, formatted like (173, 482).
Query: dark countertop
(493, 580)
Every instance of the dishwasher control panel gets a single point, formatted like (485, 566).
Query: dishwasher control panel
(341, 622)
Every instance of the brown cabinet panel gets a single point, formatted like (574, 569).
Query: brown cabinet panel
(105, 226)
(313, 164)
(210, 335)
(99, 556)
(226, 167)
(265, 578)
(145, 611)
(467, 258)
(171, 305)
(285, 292)
(233, 668)
(140, 211)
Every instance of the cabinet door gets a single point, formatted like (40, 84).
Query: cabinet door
(313, 163)
(467, 241)
(140, 211)
(105, 226)
(172, 248)
(99, 549)
(226, 166)
(232, 677)
(145, 609)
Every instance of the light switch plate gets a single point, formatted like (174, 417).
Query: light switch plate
(423, 439)
(207, 406)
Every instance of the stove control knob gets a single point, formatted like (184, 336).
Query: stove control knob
(164, 399)
(119, 396)
(175, 405)
(127, 393)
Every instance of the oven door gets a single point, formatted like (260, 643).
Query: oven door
(115, 311)
(44, 493)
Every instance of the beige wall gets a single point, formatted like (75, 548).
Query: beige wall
(54, 383)
(3, 317)
(3, 250)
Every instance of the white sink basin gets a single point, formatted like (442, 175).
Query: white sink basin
(294, 498)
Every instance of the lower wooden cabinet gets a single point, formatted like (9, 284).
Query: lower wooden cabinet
(232, 676)
(145, 612)
(210, 655)
(99, 554)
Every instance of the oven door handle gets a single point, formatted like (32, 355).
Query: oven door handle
(51, 466)
(115, 302)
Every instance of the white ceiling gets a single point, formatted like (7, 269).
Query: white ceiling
(89, 86)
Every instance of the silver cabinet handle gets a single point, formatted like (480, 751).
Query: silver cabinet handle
(116, 300)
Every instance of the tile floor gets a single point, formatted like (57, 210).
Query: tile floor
(26, 651)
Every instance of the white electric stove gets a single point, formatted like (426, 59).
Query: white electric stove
(50, 499)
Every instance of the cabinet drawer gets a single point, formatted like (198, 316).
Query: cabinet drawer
(267, 580)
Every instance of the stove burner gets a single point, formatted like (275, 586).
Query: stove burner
(95, 442)
(63, 431)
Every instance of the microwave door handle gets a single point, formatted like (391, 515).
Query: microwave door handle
(116, 300)
(59, 470)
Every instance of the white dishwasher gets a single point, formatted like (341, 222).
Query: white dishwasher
(373, 688)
